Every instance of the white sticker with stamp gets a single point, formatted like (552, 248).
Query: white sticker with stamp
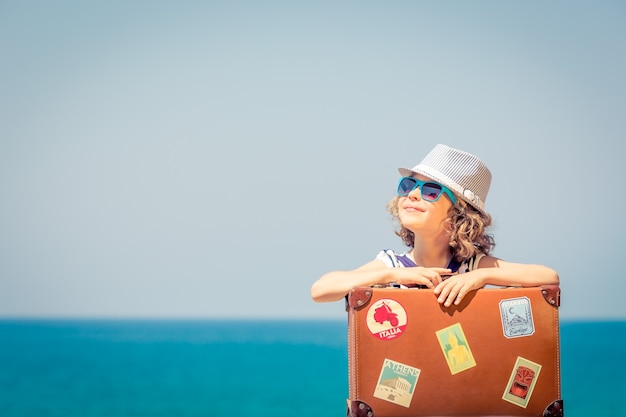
(517, 317)
(396, 383)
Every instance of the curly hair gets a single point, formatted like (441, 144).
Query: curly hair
(467, 226)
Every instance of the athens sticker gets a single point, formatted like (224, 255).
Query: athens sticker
(517, 317)
(522, 382)
(396, 383)
(386, 319)
(455, 348)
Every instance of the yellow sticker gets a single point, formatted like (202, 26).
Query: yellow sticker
(522, 382)
(455, 348)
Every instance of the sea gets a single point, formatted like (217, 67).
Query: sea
(237, 368)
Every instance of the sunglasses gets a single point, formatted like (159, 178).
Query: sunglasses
(430, 191)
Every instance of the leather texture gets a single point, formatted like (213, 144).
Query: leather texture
(496, 354)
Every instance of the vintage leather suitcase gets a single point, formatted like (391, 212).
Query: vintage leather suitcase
(496, 354)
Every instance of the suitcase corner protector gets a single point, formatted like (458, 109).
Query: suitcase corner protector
(357, 408)
(358, 297)
(554, 409)
(552, 294)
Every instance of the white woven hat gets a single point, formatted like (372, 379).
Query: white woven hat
(463, 173)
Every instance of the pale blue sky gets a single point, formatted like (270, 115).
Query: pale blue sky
(213, 159)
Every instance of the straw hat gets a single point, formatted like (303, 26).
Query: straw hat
(463, 173)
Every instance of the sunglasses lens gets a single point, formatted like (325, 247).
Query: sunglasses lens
(431, 191)
(406, 185)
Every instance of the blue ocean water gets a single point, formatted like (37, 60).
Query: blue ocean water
(72, 368)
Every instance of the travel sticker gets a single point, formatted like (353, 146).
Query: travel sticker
(522, 382)
(517, 317)
(455, 348)
(396, 383)
(386, 319)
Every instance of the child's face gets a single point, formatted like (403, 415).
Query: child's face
(419, 215)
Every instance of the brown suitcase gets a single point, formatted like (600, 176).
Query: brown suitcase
(496, 354)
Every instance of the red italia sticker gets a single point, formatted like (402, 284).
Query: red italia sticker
(386, 319)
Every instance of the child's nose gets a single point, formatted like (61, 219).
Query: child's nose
(415, 194)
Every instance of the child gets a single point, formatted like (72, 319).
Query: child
(440, 210)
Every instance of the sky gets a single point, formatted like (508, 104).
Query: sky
(199, 159)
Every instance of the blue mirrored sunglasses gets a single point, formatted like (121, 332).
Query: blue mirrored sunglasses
(430, 191)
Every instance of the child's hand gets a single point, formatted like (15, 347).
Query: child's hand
(453, 289)
(430, 277)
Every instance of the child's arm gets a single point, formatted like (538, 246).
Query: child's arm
(335, 285)
(494, 271)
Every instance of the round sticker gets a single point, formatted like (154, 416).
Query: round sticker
(386, 319)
